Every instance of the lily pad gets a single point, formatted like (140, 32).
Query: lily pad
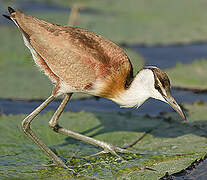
(189, 76)
(138, 21)
(169, 145)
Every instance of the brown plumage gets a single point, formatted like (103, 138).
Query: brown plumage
(64, 53)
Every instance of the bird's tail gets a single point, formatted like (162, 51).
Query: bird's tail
(12, 14)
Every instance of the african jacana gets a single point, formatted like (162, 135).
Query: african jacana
(77, 60)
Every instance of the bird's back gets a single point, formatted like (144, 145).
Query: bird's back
(76, 56)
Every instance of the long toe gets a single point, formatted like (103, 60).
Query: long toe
(108, 148)
(125, 151)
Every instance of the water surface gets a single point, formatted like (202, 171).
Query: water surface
(152, 107)
(168, 56)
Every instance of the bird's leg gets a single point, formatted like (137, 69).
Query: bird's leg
(26, 127)
(53, 123)
(107, 148)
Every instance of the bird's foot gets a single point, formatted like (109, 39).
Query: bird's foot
(108, 148)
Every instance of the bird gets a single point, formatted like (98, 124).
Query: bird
(77, 60)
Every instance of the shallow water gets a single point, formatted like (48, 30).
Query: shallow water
(31, 6)
(168, 56)
(40, 6)
(151, 107)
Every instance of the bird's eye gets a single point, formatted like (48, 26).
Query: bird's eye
(157, 87)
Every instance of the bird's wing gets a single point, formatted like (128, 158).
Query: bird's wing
(77, 56)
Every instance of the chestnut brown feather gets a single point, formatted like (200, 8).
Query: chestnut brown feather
(70, 51)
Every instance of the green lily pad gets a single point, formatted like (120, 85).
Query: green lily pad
(189, 76)
(138, 21)
(169, 145)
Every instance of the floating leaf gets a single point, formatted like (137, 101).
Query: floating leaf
(189, 76)
(169, 145)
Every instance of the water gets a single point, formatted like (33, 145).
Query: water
(151, 106)
(168, 56)
(31, 6)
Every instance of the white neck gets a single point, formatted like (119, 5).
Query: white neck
(139, 90)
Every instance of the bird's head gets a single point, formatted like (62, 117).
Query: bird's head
(159, 87)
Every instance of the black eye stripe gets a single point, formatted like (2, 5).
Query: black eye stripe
(161, 80)
(158, 87)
